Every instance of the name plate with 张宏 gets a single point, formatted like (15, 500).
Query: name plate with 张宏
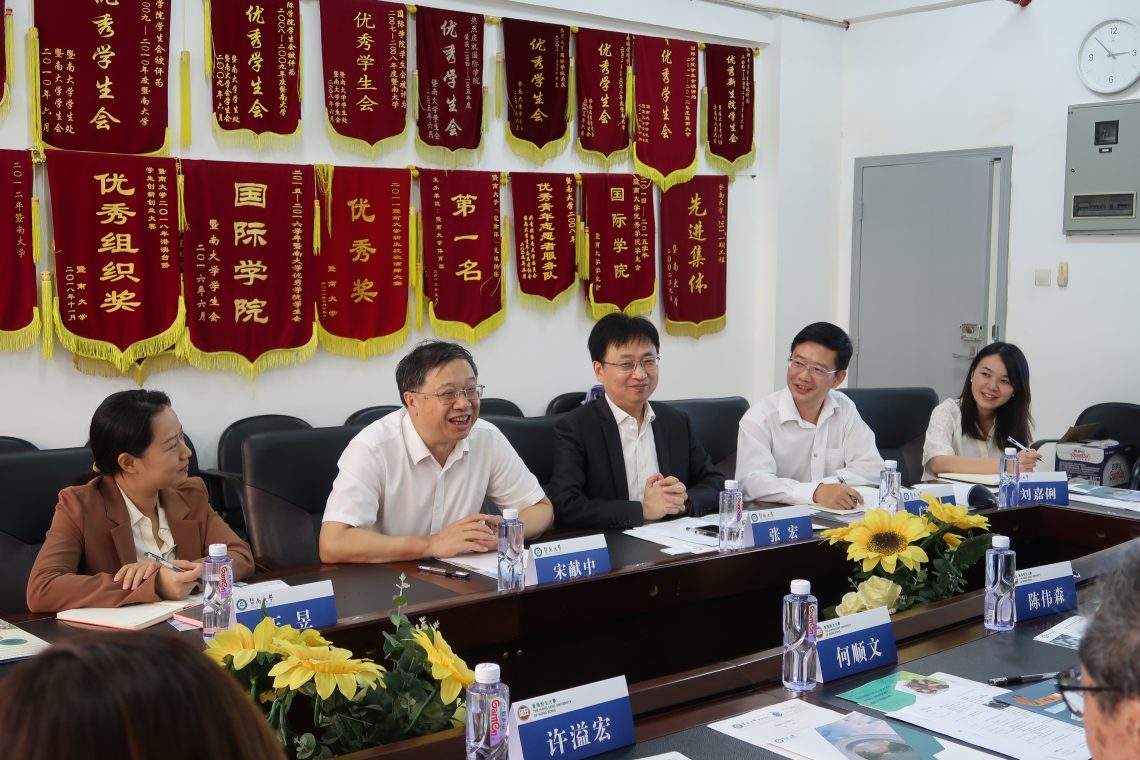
(310, 605)
(1045, 590)
(782, 525)
(1044, 488)
(575, 723)
(568, 559)
(854, 643)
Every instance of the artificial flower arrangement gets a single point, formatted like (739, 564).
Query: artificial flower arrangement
(904, 560)
(355, 703)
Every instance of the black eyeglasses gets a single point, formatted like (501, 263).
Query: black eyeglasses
(447, 398)
(1069, 684)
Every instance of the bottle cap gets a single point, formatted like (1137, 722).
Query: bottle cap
(510, 514)
(890, 464)
(219, 550)
(800, 586)
(487, 672)
(731, 485)
(1011, 452)
(1001, 542)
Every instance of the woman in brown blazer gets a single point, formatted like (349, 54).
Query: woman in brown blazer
(139, 499)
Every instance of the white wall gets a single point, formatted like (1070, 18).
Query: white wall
(534, 356)
(995, 74)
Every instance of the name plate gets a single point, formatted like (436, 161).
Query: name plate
(580, 722)
(310, 605)
(912, 498)
(1045, 590)
(854, 643)
(777, 526)
(568, 559)
(1045, 488)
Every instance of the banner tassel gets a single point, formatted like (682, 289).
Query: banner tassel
(47, 315)
(184, 84)
(35, 125)
(37, 230)
(500, 84)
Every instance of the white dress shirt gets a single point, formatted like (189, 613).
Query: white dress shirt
(389, 481)
(944, 438)
(143, 531)
(638, 448)
(781, 457)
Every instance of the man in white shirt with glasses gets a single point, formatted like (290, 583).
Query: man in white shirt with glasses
(806, 443)
(412, 484)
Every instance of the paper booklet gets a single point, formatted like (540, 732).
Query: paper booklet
(132, 617)
(17, 644)
(984, 479)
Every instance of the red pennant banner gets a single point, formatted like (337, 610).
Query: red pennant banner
(665, 108)
(118, 294)
(537, 58)
(620, 233)
(248, 248)
(730, 111)
(694, 252)
(364, 266)
(364, 46)
(256, 68)
(102, 71)
(462, 252)
(19, 318)
(545, 235)
(5, 103)
(449, 67)
(602, 60)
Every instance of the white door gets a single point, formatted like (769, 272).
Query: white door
(928, 266)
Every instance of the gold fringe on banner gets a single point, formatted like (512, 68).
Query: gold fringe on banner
(324, 176)
(549, 305)
(47, 316)
(184, 98)
(414, 94)
(730, 167)
(247, 138)
(500, 84)
(639, 308)
(35, 125)
(452, 159)
(99, 349)
(571, 94)
(233, 362)
(582, 250)
(365, 349)
(365, 149)
(37, 230)
(463, 331)
(483, 113)
(317, 226)
(25, 337)
(138, 372)
(208, 41)
(630, 104)
(694, 329)
(164, 151)
(597, 158)
(666, 181)
(530, 150)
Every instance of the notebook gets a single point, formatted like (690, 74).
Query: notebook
(965, 477)
(132, 617)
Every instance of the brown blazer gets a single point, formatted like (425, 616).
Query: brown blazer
(90, 539)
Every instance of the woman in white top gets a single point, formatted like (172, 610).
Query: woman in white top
(969, 433)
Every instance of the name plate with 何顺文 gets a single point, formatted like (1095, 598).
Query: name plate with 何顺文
(854, 643)
(912, 498)
(310, 605)
(574, 723)
(567, 559)
(1044, 488)
(1044, 590)
(776, 526)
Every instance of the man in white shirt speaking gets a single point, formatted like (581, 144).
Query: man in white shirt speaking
(806, 443)
(412, 483)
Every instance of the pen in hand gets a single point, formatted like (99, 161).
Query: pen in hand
(167, 563)
(1015, 680)
(1020, 445)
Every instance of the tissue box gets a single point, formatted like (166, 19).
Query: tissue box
(1101, 463)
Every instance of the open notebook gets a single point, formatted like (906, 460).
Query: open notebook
(132, 617)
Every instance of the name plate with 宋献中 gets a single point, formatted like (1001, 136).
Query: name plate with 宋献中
(568, 559)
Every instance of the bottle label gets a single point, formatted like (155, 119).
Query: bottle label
(225, 581)
(497, 720)
(811, 622)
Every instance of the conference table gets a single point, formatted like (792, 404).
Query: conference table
(698, 637)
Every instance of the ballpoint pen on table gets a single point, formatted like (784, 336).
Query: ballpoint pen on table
(460, 574)
(1015, 680)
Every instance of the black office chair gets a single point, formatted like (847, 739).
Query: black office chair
(565, 402)
(500, 407)
(715, 423)
(10, 445)
(898, 417)
(370, 414)
(288, 477)
(533, 440)
(1117, 420)
(32, 482)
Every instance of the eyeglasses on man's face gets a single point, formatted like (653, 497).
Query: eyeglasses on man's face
(1069, 684)
(472, 393)
(799, 365)
(648, 364)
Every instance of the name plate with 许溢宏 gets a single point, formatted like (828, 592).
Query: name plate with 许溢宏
(782, 525)
(1044, 488)
(854, 643)
(310, 605)
(568, 559)
(575, 723)
(1044, 590)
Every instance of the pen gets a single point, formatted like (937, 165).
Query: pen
(1015, 680)
(166, 563)
(1021, 446)
(449, 573)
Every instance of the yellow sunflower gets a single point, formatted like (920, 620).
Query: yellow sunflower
(835, 535)
(446, 667)
(330, 668)
(957, 516)
(887, 538)
(952, 540)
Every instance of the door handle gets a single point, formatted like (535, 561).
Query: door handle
(971, 355)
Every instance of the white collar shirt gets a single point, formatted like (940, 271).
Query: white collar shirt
(390, 483)
(783, 458)
(638, 448)
(143, 531)
(944, 438)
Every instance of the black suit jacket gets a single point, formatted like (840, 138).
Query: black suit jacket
(588, 487)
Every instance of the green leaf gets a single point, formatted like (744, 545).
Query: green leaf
(306, 746)
(973, 549)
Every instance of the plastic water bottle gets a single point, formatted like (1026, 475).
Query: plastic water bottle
(890, 486)
(731, 517)
(1001, 569)
(487, 725)
(800, 611)
(1009, 479)
(511, 570)
(217, 592)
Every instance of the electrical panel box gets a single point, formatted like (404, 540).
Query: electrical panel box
(1102, 169)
